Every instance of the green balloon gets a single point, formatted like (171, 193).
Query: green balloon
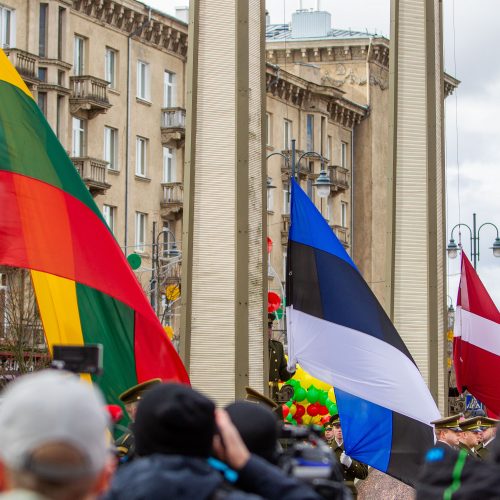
(135, 261)
(293, 421)
(323, 397)
(312, 394)
(289, 403)
(289, 418)
(300, 394)
(279, 313)
(332, 409)
(293, 383)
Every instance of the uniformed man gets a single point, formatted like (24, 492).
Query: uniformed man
(352, 469)
(489, 434)
(277, 361)
(447, 432)
(125, 444)
(470, 436)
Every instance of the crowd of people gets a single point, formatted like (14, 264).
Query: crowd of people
(56, 443)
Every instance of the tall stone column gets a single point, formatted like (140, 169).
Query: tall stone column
(223, 338)
(416, 264)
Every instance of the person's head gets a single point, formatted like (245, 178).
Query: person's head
(336, 428)
(131, 397)
(54, 437)
(448, 436)
(173, 419)
(469, 438)
(258, 427)
(489, 433)
(329, 432)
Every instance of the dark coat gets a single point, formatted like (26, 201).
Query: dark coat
(171, 477)
(477, 479)
(277, 362)
(357, 470)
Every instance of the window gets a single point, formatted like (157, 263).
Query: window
(322, 135)
(286, 198)
(60, 77)
(270, 197)
(310, 132)
(343, 214)
(110, 67)
(7, 28)
(60, 32)
(329, 147)
(143, 80)
(328, 215)
(109, 214)
(59, 115)
(42, 74)
(310, 189)
(140, 232)
(79, 56)
(168, 164)
(141, 157)
(168, 240)
(42, 102)
(269, 140)
(343, 152)
(287, 134)
(111, 147)
(168, 89)
(78, 144)
(284, 264)
(42, 30)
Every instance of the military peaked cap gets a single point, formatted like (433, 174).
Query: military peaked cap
(474, 424)
(136, 392)
(452, 423)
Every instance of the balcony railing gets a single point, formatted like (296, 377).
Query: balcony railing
(285, 227)
(342, 234)
(89, 93)
(172, 199)
(25, 63)
(93, 172)
(173, 126)
(339, 177)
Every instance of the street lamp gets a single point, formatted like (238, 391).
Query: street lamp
(453, 248)
(323, 184)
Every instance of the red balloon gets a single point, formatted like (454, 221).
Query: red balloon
(312, 410)
(323, 410)
(286, 410)
(298, 419)
(269, 244)
(325, 420)
(300, 411)
(115, 413)
(273, 302)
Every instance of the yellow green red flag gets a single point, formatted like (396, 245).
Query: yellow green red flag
(49, 224)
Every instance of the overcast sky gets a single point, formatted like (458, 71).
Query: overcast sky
(475, 36)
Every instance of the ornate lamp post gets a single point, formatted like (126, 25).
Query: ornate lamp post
(453, 248)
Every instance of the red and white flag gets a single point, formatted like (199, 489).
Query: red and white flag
(476, 343)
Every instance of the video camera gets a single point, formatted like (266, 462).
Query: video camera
(306, 456)
(78, 358)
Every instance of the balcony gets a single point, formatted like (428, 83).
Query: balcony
(26, 65)
(339, 177)
(342, 234)
(285, 227)
(286, 166)
(93, 173)
(173, 127)
(172, 200)
(88, 96)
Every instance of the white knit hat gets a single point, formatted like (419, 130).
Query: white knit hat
(53, 407)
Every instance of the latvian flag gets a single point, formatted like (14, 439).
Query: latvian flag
(476, 343)
(338, 332)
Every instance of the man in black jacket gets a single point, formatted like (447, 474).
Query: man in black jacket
(176, 431)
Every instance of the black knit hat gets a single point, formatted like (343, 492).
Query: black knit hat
(174, 419)
(258, 427)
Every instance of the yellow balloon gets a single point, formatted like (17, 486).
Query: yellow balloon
(331, 395)
(307, 380)
(293, 409)
(306, 419)
(316, 419)
(169, 331)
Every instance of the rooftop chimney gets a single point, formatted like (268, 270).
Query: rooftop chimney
(311, 24)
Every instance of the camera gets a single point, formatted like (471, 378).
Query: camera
(307, 457)
(78, 358)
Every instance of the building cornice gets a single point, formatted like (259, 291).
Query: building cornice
(162, 31)
(302, 93)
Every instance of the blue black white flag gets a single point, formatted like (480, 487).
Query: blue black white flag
(340, 334)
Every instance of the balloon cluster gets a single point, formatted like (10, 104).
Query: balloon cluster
(313, 401)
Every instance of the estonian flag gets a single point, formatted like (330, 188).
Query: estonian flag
(338, 332)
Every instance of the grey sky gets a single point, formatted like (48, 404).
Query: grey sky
(474, 37)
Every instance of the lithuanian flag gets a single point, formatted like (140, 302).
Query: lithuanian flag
(49, 223)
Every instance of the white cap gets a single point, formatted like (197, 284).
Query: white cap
(53, 407)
